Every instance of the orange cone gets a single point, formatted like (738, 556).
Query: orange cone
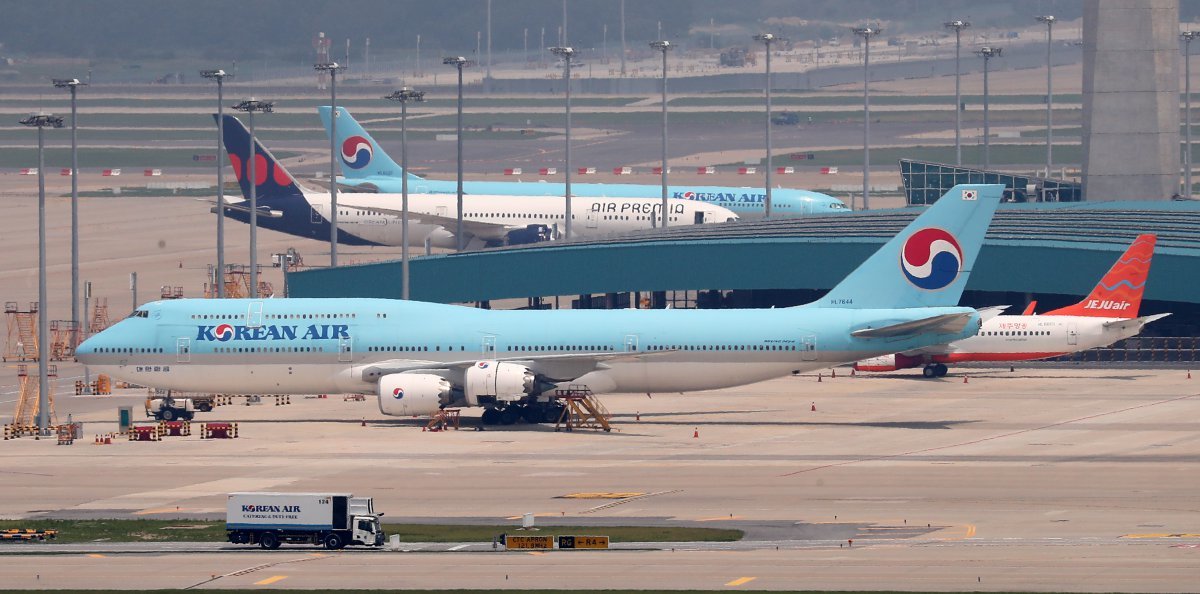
(696, 433)
(639, 416)
(832, 373)
(965, 380)
(814, 407)
(364, 422)
(851, 372)
(818, 378)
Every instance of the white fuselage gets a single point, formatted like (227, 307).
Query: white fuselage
(1022, 338)
(374, 217)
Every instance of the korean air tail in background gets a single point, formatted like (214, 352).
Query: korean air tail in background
(273, 180)
(359, 155)
(929, 262)
(1119, 293)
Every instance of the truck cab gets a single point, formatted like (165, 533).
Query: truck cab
(367, 531)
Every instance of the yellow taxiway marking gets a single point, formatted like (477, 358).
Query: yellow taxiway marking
(161, 510)
(1163, 535)
(600, 495)
(741, 580)
(537, 515)
(536, 553)
(719, 518)
(270, 580)
(95, 555)
(970, 530)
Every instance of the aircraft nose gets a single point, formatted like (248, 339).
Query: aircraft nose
(86, 349)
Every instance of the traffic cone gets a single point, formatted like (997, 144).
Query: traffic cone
(639, 416)
(833, 374)
(851, 372)
(818, 378)
(965, 379)
(1189, 374)
(814, 407)
(696, 433)
(364, 422)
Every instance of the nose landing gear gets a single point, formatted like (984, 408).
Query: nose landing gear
(935, 370)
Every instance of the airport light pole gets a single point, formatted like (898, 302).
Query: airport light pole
(1049, 20)
(565, 53)
(41, 121)
(767, 39)
(987, 53)
(250, 106)
(958, 26)
(867, 33)
(458, 62)
(220, 76)
(403, 96)
(664, 47)
(73, 85)
(332, 68)
(1187, 37)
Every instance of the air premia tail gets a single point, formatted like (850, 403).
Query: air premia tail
(928, 263)
(360, 156)
(1119, 293)
(273, 180)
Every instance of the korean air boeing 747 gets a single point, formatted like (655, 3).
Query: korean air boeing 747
(418, 357)
(366, 167)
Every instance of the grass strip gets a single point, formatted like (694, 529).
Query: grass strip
(154, 530)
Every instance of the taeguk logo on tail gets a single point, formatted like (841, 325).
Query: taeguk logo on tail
(356, 152)
(931, 259)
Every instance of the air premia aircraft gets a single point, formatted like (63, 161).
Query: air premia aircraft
(418, 357)
(374, 219)
(366, 167)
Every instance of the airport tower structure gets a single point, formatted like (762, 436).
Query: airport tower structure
(1130, 99)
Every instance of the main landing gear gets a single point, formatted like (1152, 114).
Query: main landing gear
(530, 412)
(935, 370)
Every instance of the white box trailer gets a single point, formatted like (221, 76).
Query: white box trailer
(333, 520)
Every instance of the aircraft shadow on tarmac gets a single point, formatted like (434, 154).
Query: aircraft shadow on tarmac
(954, 377)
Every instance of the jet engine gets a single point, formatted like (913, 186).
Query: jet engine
(493, 381)
(888, 363)
(530, 234)
(413, 394)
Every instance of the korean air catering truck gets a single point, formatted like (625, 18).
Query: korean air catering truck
(333, 520)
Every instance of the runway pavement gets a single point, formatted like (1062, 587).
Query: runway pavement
(1047, 479)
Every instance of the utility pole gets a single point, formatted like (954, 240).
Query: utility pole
(958, 26)
(332, 68)
(987, 53)
(220, 76)
(1049, 20)
(403, 96)
(767, 39)
(664, 46)
(867, 33)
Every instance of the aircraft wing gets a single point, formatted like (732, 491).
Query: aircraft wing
(486, 231)
(943, 324)
(559, 367)
(1134, 322)
(242, 206)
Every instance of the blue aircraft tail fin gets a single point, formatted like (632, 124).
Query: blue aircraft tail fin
(361, 156)
(273, 180)
(928, 263)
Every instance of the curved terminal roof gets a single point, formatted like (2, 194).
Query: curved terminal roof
(1041, 248)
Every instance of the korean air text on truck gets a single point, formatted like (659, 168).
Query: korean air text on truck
(332, 520)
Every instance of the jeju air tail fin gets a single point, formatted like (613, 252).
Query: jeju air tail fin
(1119, 293)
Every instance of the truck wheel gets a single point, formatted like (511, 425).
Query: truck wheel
(333, 542)
(268, 541)
(491, 416)
(509, 415)
(532, 413)
(188, 416)
(167, 414)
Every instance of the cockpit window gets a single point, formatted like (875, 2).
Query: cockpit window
(140, 313)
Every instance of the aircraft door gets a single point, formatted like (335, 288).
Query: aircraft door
(346, 349)
(699, 217)
(592, 219)
(488, 346)
(631, 343)
(254, 314)
(315, 216)
(183, 350)
(441, 211)
(1072, 333)
(808, 347)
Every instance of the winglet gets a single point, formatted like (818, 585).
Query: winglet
(928, 263)
(1119, 293)
(1029, 309)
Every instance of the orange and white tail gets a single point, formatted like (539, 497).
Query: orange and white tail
(1119, 293)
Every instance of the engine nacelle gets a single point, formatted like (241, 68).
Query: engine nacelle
(413, 394)
(530, 234)
(491, 381)
(888, 363)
